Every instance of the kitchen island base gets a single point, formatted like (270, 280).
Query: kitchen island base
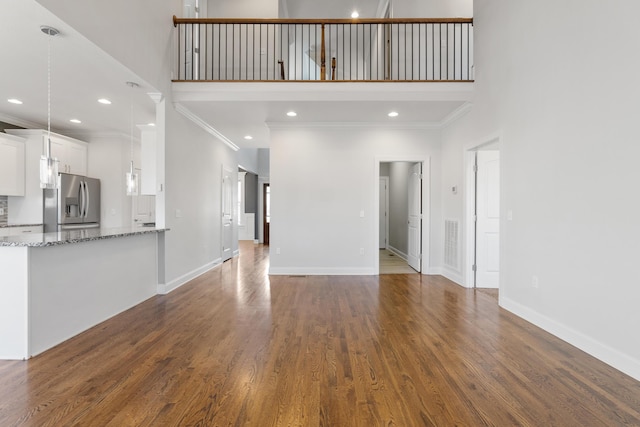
(51, 293)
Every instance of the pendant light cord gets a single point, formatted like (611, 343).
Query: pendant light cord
(49, 94)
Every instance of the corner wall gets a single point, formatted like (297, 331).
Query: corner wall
(323, 177)
(551, 81)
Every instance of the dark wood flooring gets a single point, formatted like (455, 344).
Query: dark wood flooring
(236, 347)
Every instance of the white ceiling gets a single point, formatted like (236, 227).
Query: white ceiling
(82, 73)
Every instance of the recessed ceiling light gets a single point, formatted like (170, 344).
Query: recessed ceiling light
(355, 14)
(393, 114)
(104, 101)
(76, 121)
(248, 137)
(292, 114)
(14, 101)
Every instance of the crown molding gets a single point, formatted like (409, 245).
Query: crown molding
(204, 125)
(27, 124)
(456, 114)
(354, 125)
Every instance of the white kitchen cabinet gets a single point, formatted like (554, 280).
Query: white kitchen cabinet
(72, 156)
(23, 229)
(12, 152)
(148, 159)
(70, 152)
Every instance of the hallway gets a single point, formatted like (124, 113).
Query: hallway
(238, 347)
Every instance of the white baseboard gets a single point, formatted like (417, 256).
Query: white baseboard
(397, 252)
(453, 276)
(236, 252)
(165, 288)
(256, 241)
(603, 352)
(434, 271)
(320, 271)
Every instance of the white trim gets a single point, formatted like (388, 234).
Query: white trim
(434, 271)
(469, 204)
(621, 361)
(456, 114)
(386, 227)
(321, 271)
(236, 253)
(454, 276)
(204, 125)
(397, 252)
(165, 288)
(426, 207)
(355, 125)
(28, 124)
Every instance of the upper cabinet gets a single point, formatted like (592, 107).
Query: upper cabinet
(71, 155)
(12, 151)
(148, 159)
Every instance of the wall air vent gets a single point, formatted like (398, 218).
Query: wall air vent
(451, 244)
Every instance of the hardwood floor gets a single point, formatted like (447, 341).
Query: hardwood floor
(391, 263)
(237, 347)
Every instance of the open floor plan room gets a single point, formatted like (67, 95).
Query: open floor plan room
(236, 346)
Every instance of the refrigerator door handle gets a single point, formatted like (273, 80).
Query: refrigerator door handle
(86, 199)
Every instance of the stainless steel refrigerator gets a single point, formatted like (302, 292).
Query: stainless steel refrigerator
(75, 204)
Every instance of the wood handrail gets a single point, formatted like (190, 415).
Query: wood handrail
(177, 21)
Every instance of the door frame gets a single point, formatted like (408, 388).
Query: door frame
(386, 220)
(234, 185)
(426, 212)
(493, 141)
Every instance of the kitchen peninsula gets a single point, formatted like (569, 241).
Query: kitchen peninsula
(55, 285)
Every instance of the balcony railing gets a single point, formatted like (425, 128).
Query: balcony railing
(434, 50)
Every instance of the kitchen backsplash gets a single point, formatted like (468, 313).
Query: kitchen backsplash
(4, 209)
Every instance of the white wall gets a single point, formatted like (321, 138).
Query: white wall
(136, 33)
(432, 8)
(558, 96)
(108, 160)
(322, 178)
(243, 8)
(248, 159)
(193, 199)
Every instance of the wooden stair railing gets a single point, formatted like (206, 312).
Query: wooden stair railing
(393, 49)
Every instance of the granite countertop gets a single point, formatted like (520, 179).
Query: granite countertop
(19, 225)
(75, 236)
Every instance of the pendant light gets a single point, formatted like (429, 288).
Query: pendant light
(48, 165)
(131, 177)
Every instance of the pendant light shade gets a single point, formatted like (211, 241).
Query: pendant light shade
(48, 165)
(131, 177)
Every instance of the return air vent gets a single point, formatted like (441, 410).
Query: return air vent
(451, 238)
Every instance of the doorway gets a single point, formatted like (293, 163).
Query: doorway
(401, 196)
(266, 217)
(484, 216)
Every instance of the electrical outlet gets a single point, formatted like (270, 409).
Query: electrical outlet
(535, 283)
(277, 251)
(361, 251)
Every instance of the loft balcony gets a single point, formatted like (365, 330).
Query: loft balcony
(330, 50)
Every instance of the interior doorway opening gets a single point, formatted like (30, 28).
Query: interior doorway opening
(400, 216)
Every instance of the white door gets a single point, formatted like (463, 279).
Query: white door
(384, 212)
(227, 214)
(415, 217)
(488, 219)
